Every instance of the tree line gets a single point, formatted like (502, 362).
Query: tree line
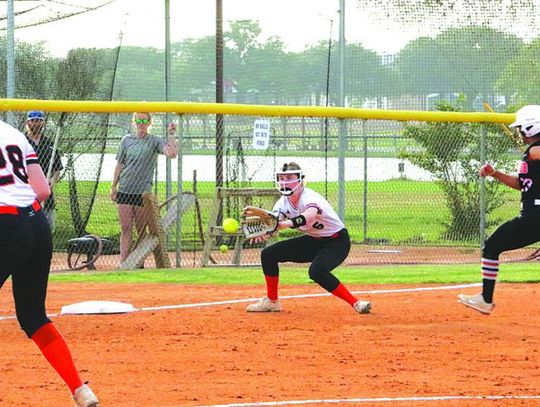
(475, 61)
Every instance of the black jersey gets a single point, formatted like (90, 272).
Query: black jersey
(529, 176)
(44, 150)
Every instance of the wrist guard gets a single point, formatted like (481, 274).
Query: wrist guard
(298, 221)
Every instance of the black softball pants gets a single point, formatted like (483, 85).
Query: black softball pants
(25, 253)
(518, 232)
(324, 254)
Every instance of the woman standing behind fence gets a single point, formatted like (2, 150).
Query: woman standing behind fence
(136, 162)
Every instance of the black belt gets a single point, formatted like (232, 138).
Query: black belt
(18, 211)
(332, 236)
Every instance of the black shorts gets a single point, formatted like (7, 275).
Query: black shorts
(129, 199)
(26, 252)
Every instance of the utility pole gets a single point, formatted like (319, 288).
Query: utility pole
(10, 57)
(342, 137)
(219, 92)
(168, 166)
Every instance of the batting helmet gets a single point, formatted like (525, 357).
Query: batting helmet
(528, 120)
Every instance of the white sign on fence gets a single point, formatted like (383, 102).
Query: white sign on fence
(261, 134)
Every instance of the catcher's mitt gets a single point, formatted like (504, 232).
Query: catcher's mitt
(257, 222)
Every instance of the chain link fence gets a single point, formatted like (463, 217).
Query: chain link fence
(410, 190)
(399, 185)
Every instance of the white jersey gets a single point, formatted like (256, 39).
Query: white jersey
(15, 154)
(325, 224)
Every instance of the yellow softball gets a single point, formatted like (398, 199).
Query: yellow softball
(230, 225)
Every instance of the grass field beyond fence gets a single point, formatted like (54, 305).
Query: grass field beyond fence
(399, 212)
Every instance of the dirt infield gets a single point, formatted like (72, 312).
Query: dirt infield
(414, 344)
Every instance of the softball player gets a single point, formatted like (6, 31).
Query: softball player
(22, 186)
(524, 229)
(326, 243)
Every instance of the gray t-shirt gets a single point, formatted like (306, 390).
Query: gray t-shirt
(139, 157)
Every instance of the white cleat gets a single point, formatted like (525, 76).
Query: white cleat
(85, 397)
(476, 302)
(265, 305)
(362, 307)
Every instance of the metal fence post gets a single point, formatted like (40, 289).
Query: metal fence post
(482, 186)
(179, 191)
(365, 187)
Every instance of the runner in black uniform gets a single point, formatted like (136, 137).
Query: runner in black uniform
(26, 252)
(524, 229)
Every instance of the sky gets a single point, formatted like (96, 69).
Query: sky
(299, 23)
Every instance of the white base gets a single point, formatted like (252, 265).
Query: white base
(97, 307)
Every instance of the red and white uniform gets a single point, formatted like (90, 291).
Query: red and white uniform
(327, 222)
(15, 154)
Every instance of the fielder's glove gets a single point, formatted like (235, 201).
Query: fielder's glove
(257, 222)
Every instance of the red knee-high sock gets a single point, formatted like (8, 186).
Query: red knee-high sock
(272, 287)
(52, 345)
(342, 292)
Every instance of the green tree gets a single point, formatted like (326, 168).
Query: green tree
(34, 72)
(451, 152)
(364, 74)
(464, 60)
(84, 74)
(308, 73)
(140, 74)
(194, 69)
(520, 80)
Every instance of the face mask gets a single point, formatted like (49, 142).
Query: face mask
(283, 186)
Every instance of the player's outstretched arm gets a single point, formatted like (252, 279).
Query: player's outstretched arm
(487, 170)
(38, 182)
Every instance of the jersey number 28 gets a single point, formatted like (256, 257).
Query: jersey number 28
(15, 156)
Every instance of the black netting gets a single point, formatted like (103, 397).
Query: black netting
(409, 55)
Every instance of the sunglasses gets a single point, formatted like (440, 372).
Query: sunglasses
(142, 121)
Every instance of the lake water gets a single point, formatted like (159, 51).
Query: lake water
(264, 168)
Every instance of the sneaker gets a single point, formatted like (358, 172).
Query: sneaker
(362, 307)
(476, 302)
(85, 397)
(265, 305)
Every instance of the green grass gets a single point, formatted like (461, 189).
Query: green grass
(398, 211)
(410, 274)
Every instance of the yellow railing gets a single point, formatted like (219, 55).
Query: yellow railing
(251, 110)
